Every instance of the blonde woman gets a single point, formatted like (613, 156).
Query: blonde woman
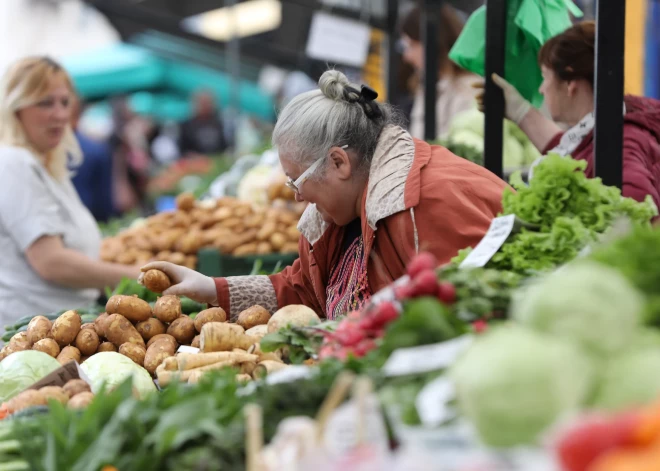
(49, 241)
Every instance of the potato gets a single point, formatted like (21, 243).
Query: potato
(253, 316)
(66, 327)
(150, 327)
(76, 386)
(264, 248)
(38, 329)
(119, 331)
(134, 352)
(214, 314)
(289, 247)
(20, 339)
(258, 331)
(169, 338)
(182, 329)
(245, 249)
(68, 354)
(185, 201)
(157, 353)
(81, 400)
(293, 233)
(106, 347)
(28, 398)
(167, 308)
(277, 240)
(177, 258)
(100, 324)
(224, 337)
(156, 281)
(266, 231)
(9, 349)
(191, 262)
(48, 346)
(294, 314)
(131, 307)
(195, 342)
(189, 243)
(87, 341)
(163, 255)
(55, 392)
(89, 325)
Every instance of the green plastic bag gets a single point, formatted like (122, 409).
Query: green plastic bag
(530, 23)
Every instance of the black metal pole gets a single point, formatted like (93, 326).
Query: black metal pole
(430, 30)
(392, 55)
(608, 91)
(496, 15)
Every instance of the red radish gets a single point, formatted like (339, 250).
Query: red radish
(421, 262)
(425, 284)
(480, 326)
(385, 313)
(364, 347)
(403, 292)
(447, 292)
(350, 338)
(366, 323)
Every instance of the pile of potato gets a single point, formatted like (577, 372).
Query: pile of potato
(76, 394)
(228, 224)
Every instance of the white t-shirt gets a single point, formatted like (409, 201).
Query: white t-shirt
(34, 204)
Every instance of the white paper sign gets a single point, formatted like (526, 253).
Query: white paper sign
(336, 39)
(187, 349)
(432, 402)
(287, 375)
(341, 432)
(499, 230)
(437, 356)
(387, 294)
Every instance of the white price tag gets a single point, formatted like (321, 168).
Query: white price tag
(187, 349)
(499, 230)
(437, 356)
(341, 432)
(432, 402)
(287, 375)
(387, 294)
(336, 39)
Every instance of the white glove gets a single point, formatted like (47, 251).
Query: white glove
(516, 107)
(185, 282)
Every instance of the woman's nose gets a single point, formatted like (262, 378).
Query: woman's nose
(299, 198)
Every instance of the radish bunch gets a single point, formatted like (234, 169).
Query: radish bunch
(356, 334)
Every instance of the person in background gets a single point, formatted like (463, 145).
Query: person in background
(455, 91)
(93, 177)
(203, 133)
(567, 65)
(377, 197)
(49, 240)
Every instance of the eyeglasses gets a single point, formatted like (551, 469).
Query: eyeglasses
(296, 184)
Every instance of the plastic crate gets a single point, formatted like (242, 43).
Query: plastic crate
(211, 262)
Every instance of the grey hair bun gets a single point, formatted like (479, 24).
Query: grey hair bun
(333, 84)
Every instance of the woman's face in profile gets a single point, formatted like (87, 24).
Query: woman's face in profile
(45, 122)
(412, 52)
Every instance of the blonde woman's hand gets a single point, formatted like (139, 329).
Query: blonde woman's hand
(516, 107)
(185, 282)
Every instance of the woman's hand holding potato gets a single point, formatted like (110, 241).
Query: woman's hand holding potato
(185, 282)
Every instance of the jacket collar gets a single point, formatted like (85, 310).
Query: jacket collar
(388, 189)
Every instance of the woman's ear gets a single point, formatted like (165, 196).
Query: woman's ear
(571, 87)
(341, 163)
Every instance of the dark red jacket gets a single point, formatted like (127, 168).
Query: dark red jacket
(641, 149)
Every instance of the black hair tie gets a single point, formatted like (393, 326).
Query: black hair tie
(365, 98)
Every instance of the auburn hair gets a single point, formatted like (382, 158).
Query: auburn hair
(570, 55)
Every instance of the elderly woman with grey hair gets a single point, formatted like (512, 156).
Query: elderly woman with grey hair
(377, 197)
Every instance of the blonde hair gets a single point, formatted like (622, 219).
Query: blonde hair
(23, 85)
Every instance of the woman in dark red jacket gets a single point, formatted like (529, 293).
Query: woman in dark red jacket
(567, 65)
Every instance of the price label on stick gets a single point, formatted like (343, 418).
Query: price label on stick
(437, 356)
(499, 231)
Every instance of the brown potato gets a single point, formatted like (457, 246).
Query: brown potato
(156, 281)
(182, 329)
(289, 247)
(195, 342)
(266, 231)
(20, 339)
(68, 354)
(66, 327)
(264, 248)
(81, 400)
(55, 392)
(191, 262)
(89, 325)
(48, 346)
(87, 341)
(253, 316)
(214, 314)
(293, 233)
(150, 327)
(26, 399)
(222, 214)
(277, 240)
(232, 222)
(245, 249)
(106, 347)
(163, 255)
(125, 258)
(134, 352)
(76, 386)
(167, 337)
(185, 201)
(131, 307)
(177, 258)
(100, 324)
(167, 308)
(189, 243)
(38, 329)
(119, 330)
(156, 354)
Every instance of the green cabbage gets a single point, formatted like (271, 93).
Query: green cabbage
(629, 379)
(21, 370)
(466, 137)
(513, 383)
(470, 120)
(113, 368)
(584, 302)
